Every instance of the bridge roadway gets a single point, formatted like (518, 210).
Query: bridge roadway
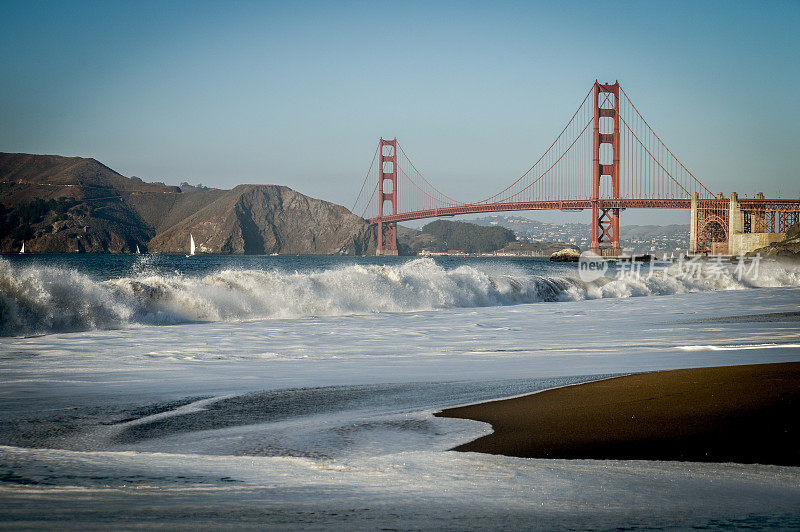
(747, 204)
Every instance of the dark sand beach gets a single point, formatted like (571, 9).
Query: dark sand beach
(747, 414)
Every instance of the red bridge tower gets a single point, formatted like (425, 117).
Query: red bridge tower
(387, 191)
(605, 221)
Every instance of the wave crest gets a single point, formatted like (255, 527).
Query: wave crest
(42, 299)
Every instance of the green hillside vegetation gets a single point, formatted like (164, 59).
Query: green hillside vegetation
(467, 237)
(18, 221)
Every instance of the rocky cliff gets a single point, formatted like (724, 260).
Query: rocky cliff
(788, 248)
(269, 219)
(67, 204)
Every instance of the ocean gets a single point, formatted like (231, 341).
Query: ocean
(299, 392)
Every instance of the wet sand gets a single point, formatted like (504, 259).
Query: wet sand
(747, 414)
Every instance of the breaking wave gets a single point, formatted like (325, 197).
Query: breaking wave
(47, 299)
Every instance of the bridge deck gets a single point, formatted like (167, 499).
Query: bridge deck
(676, 203)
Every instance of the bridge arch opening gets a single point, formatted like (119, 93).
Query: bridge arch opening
(713, 229)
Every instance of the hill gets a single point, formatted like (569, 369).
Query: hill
(66, 204)
(444, 235)
(269, 219)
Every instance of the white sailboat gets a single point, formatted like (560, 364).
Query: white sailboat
(191, 246)
(21, 251)
(137, 250)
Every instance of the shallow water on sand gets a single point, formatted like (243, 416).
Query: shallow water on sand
(321, 415)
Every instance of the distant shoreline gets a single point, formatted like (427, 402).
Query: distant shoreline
(747, 414)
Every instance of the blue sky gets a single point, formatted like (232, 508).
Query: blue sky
(297, 93)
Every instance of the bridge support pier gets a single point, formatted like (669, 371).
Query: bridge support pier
(758, 218)
(387, 238)
(735, 216)
(605, 222)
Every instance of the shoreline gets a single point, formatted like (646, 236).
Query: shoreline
(743, 413)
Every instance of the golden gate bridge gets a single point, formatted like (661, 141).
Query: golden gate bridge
(606, 159)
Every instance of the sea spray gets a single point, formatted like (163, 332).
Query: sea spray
(37, 299)
(42, 299)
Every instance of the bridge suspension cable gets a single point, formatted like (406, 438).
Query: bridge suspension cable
(650, 170)
(438, 192)
(647, 169)
(366, 178)
(585, 116)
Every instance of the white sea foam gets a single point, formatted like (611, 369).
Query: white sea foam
(44, 299)
(326, 422)
(738, 347)
(405, 490)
